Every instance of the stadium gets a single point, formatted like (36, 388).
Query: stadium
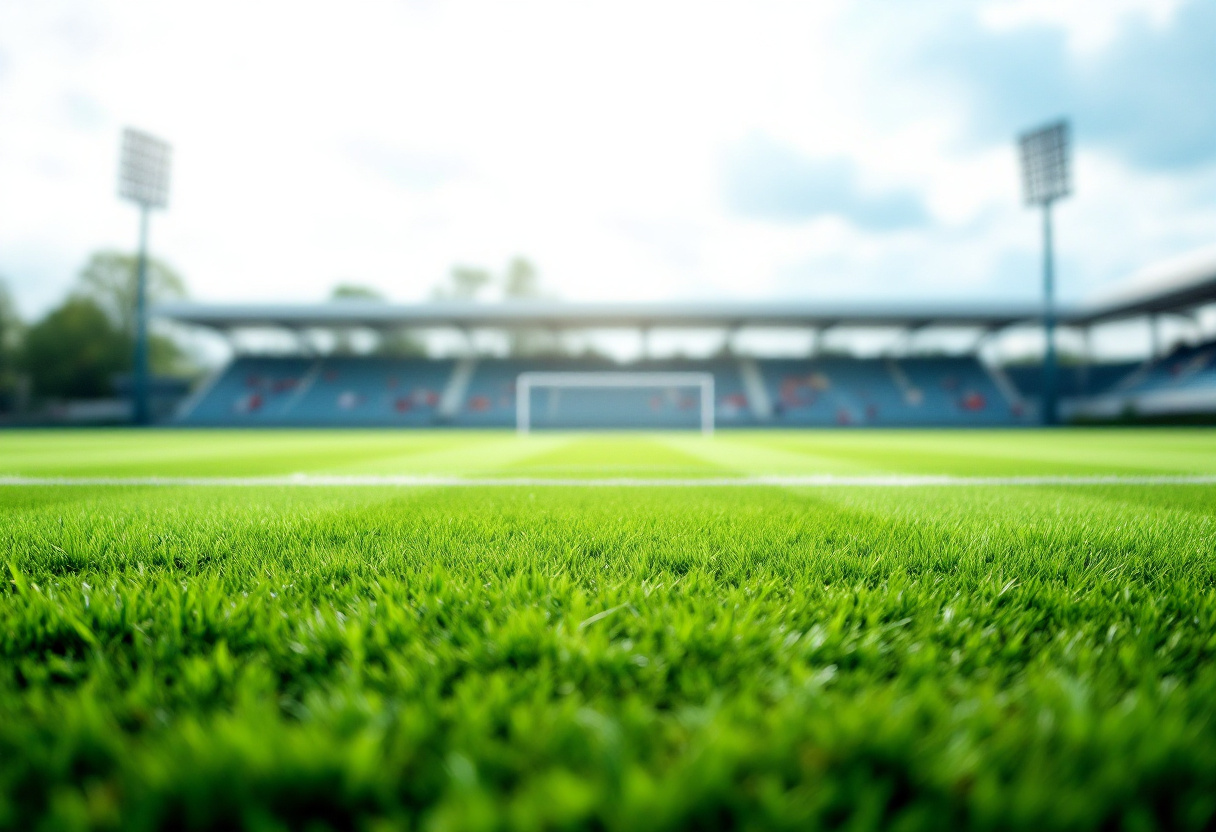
(894, 390)
(834, 493)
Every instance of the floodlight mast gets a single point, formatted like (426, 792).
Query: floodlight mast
(143, 178)
(1046, 177)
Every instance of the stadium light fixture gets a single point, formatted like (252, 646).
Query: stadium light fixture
(143, 178)
(1047, 177)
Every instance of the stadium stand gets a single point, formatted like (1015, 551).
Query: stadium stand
(1072, 380)
(1182, 382)
(907, 391)
(823, 390)
(371, 391)
(1185, 368)
(330, 391)
(249, 390)
(413, 392)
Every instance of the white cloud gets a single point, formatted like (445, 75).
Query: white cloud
(1089, 25)
(383, 142)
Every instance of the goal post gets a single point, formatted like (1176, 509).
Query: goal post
(525, 383)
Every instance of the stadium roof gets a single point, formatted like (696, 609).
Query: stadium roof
(565, 315)
(1176, 287)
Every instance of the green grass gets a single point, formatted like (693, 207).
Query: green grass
(497, 453)
(608, 658)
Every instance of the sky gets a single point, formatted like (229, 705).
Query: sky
(654, 150)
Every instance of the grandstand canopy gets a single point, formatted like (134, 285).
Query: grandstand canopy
(560, 315)
(1177, 287)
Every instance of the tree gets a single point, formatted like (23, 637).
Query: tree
(464, 283)
(351, 291)
(521, 280)
(10, 343)
(398, 343)
(109, 279)
(79, 347)
(75, 351)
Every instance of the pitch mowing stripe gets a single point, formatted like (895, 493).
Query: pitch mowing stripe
(810, 480)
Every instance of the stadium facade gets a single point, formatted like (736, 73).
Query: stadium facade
(309, 389)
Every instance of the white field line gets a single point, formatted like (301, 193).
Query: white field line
(780, 481)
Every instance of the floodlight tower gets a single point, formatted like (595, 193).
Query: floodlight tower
(1046, 177)
(143, 178)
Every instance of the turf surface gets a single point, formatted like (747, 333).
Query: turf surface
(481, 658)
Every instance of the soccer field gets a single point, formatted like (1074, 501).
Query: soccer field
(473, 630)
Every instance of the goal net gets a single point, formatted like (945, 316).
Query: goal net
(614, 400)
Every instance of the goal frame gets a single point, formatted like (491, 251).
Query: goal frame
(526, 382)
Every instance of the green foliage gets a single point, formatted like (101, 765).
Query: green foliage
(344, 342)
(10, 322)
(397, 343)
(166, 357)
(75, 351)
(351, 291)
(464, 283)
(78, 348)
(401, 343)
(597, 658)
(109, 280)
(11, 332)
(521, 280)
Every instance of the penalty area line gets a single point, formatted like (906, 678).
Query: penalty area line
(778, 481)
